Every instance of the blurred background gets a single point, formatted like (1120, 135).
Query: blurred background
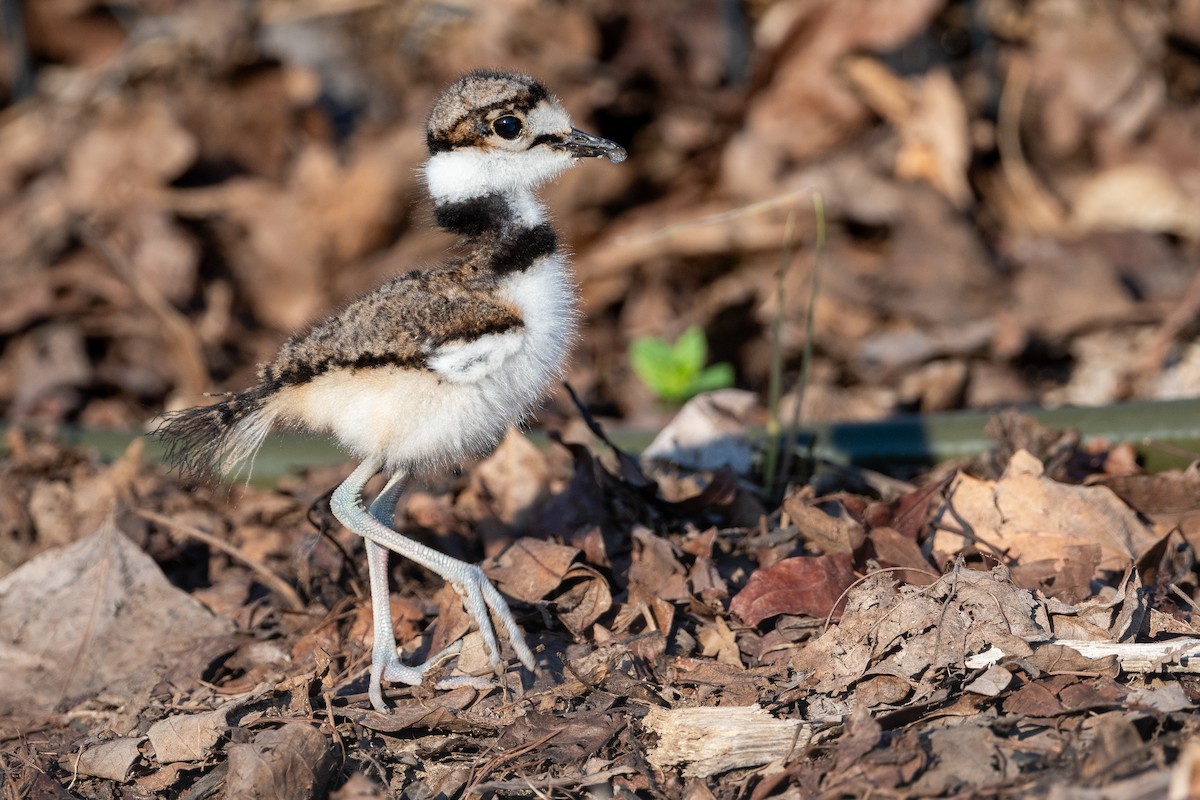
(1011, 190)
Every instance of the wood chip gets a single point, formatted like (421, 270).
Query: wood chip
(711, 741)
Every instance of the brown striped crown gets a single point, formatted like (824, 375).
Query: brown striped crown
(462, 112)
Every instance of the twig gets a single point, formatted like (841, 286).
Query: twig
(186, 353)
(554, 783)
(734, 230)
(589, 420)
(272, 581)
(509, 755)
(1040, 210)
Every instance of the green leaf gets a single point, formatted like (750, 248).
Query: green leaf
(675, 372)
(691, 349)
(718, 376)
(657, 364)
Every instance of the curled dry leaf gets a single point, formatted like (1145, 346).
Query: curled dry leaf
(709, 432)
(822, 531)
(509, 483)
(188, 737)
(585, 598)
(656, 571)
(1114, 615)
(111, 760)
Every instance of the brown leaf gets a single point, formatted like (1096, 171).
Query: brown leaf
(827, 533)
(656, 570)
(1029, 517)
(805, 110)
(531, 568)
(1052, 658)
(441, 712)
(1139, 196)
(717, 641)
(132, 150)
(111, 760)
(915, 632)
(1033, 700)
(1067, 578)
(96, 613)
(293, 762)
(893, 549)
(964, 758)
(585, 599)
(863, 734)
(706, 582)
(282, 238)
(510, 484)
(1117, 615)
(1093, 693)
(882, 690)
(994, 680)
(807, 585)
(932, 121)
(187, 737)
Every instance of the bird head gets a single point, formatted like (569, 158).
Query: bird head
(502, 132)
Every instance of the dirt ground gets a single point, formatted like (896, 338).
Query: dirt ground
(1011, 205)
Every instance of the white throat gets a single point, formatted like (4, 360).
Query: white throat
(454, 176)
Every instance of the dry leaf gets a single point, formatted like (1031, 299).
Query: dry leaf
(809, 585)
(585, 599)
(294, 762)
(822, 531)
(111, 760)
(188, 737)
(1138, 196)
(1027, 517)
(97, 613)
(531, 568)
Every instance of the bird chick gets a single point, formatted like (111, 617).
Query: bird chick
(434, 365)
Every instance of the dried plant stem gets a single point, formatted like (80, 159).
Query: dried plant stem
(806, 356)
(775, 384)
(272, 581)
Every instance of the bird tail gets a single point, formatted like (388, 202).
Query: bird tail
(220, 439)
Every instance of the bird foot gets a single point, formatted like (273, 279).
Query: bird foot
(479, 598)
(387, 666)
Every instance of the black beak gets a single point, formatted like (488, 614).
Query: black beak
(585, 145)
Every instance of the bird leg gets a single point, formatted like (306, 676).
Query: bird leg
(468, 579)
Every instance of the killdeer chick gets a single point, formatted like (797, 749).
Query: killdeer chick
(434, 365)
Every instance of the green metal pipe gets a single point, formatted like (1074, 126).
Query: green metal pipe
(1165, 433)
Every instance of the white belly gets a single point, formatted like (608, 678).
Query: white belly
(474, 393)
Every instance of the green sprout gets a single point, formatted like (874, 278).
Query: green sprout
(676, 372)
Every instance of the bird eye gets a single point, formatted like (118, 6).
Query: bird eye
(507, 127)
